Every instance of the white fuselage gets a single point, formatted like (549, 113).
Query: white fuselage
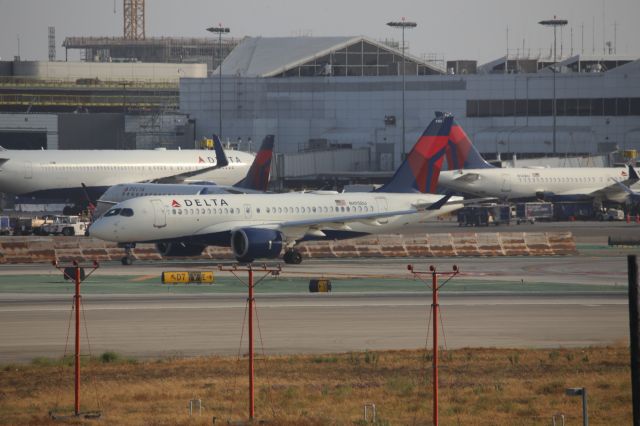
(25, 172)
(516, 183)
(295, 215)
(125, 191)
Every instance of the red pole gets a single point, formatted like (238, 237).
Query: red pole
(77, 354)
(251, 394)
(434, 287)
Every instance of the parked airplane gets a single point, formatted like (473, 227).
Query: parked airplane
(60, 173)
(633, 196)
(256, 180)
(261, 225)
(470, 174)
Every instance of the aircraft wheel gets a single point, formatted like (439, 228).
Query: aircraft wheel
(126, 260)
(292, 257)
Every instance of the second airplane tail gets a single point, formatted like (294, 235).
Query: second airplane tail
(461, 154)
(420, 170)
(258, 175)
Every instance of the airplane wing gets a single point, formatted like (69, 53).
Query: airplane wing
(221, 161)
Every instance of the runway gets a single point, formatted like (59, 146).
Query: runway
(187, 325)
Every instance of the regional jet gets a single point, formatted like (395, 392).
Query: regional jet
(256, 180)
(258, 226)
(61, 173)
(470, 174)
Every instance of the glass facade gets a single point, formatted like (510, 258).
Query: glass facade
(359, 59)
(544, 107)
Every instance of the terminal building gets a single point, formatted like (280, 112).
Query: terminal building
(341, 98)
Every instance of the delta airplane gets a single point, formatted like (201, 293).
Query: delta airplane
(61, 173)
(469, 173)
(256, 180)
(260, 225)
(633, 196)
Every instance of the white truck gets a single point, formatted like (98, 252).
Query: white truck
(65, 225)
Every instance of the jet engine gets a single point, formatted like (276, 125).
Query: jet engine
(179, 249)
(254, 243)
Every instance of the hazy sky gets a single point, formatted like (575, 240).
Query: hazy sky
(455, 29)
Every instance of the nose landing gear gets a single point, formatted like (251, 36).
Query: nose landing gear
(128, 254)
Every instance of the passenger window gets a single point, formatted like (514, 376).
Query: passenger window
(314, 209)
(226, 211)
(258, 210)
(279, 209)
(268, 210)
(174, 211)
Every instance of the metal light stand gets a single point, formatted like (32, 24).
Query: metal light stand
(275, 270)
(77, 299)
(435, 288)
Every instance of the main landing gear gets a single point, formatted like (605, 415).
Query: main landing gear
(292, 257)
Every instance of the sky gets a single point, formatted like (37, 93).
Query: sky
(452, 29)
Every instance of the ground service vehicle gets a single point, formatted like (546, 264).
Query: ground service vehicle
(532, 212)
(65, 225)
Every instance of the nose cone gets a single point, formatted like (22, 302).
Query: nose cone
(103, 230)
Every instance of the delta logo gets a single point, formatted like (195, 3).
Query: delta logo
(174, 203)
(204, 202)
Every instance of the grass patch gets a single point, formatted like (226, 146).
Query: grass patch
(477, 387)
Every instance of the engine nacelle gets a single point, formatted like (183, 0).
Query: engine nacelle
(179, 249)
(249, 244)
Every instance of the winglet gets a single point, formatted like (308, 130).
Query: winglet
(258, 175)
(633, 175)
(420, 170)
(221, 157)
(441, 202)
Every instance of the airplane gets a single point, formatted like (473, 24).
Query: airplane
(469, 173)
(256, 180)
(60, 173)
(632, 196)
(259, 226)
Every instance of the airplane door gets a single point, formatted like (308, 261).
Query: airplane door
(506, 183)
(28, 170)
(247, 211)
(383, 206)
(159, 214)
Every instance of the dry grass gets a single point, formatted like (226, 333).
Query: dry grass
(477, 387)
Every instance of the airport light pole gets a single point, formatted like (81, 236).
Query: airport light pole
(219, 30)
(555, 23)
(403, 25)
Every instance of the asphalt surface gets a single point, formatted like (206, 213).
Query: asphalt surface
(526, 302)
(162, 325)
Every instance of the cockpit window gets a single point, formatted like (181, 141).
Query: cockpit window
(126, 212)
(112, 212)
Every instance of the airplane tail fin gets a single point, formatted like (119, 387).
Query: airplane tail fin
(461, 154)
(420, 170)
(221, 157)
(258, 176)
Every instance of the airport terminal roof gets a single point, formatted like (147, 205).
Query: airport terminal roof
(273, 56)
